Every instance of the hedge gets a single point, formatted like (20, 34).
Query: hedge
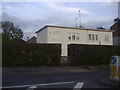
(30, 54)
(91, 54)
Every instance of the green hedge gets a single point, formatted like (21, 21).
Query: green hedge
(30, 54)
(91, 54)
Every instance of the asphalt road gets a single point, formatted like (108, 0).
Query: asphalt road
(53, 80)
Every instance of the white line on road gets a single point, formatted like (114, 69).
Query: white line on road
(16, 86)
(55, 83)
(32, 87)
(78, 86)
(38, 85)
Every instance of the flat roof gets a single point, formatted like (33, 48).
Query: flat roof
(73, 28)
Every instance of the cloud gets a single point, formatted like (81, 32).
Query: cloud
(107, 4)
(107, 24)
(58, 20)
(25, 24)
(66, 9)
(29, 27)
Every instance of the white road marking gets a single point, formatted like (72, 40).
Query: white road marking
(78, 86)
(55, 83)
(32, 87)
(16, 86)
(38, 85)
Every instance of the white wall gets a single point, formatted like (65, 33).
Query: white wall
(42, 36)
(60, 36)
(102, 38)
(83, 37)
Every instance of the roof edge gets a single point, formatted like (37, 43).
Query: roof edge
(106, 30)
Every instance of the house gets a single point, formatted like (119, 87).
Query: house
(116, 34)
(116, 28)
(31, 40)
(70, 35)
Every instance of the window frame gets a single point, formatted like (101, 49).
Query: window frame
(73, 36)
(93, 37)
(107, 38)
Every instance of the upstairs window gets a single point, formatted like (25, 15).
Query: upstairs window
(96, 37)
(69, 36)
(73, 36)
(93, 37)
(56, 35)
(90, 37)
(106, 38)
(77, 36)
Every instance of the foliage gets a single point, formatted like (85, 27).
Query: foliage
(5, 39)
(116, 21)
(11, 31)
(91, 54)
(102, 28)
(18, 54)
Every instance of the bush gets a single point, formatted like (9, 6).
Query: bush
(91, 54)
(30, 54)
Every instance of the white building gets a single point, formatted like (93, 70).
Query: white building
(69, 35)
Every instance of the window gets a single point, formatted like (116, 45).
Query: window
(73, 36)
(96, 37)
(90, 37)
(93, 37)
(106, 38)
(69, 36)
(77, 36)
(56, 35)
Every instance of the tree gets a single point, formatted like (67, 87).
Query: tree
(116, 21)
(81, 27)
(101, 28)
(10, 31)
(116, 24)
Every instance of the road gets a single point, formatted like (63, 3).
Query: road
(26, 81)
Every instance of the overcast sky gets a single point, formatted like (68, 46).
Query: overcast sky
(31, 16)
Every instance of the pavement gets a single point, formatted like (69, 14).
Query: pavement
(109, 82)
(44, 69)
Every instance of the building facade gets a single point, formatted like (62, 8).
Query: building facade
(31, 40)
(116, 34)
(70, 35)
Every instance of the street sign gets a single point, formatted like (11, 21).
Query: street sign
(115, 67)
(113, 60)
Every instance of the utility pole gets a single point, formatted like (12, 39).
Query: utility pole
(119, 9)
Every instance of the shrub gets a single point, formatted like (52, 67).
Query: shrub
(91, 54)
(30, 54)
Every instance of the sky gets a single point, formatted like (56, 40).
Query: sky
(31, 16)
